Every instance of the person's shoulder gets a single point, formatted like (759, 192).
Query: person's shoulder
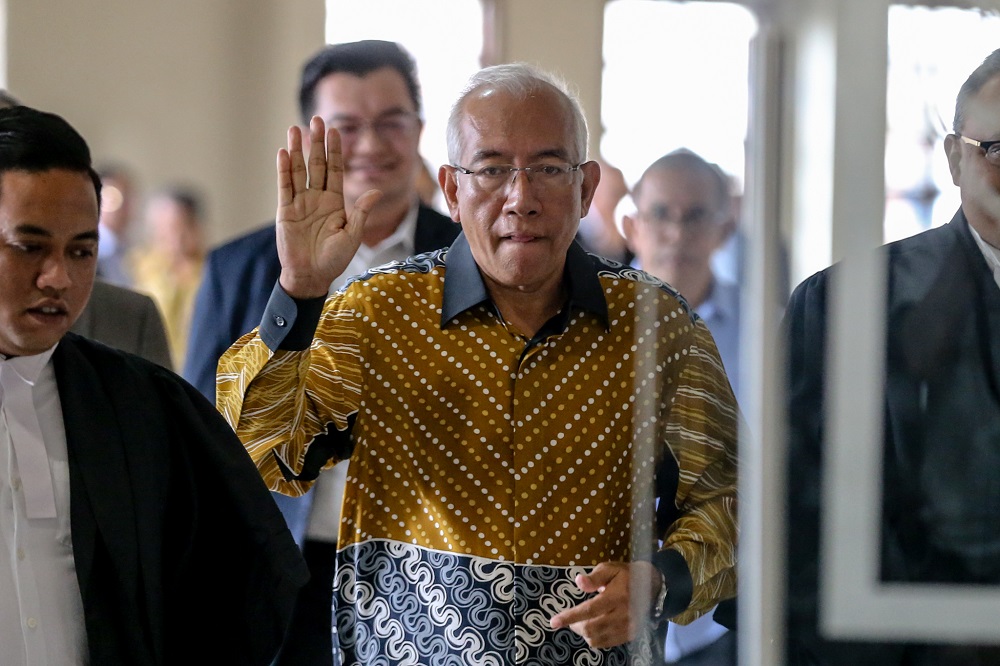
(124, 370)
(935, 239)
(120, 296)
(110, 359)
(616, 275)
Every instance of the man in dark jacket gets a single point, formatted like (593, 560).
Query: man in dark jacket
(369, 91)
(941, 408)
(138, 531)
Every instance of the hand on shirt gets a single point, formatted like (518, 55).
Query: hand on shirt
(316, 236)
(607, 619)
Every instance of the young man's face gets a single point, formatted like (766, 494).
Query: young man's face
(380, 132)
(48, 256)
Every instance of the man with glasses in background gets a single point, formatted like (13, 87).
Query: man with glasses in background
(369, 91)
(684, 212)
(511, 405)
(941, 406)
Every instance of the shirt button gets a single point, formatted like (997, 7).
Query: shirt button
(279, 320)
(32, 623)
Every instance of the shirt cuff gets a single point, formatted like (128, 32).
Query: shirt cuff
(290, 323)
(680, 586)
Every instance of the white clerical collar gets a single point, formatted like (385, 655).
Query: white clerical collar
(18, 376)
(991, 254)
(28, 368)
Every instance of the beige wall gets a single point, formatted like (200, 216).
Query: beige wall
(185, 90)
(202, 91)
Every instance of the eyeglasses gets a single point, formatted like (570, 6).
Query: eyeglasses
(548, 175)
(694, 220)
(991, 148)
(392, 126)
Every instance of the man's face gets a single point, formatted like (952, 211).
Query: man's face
(48, 256)
(519, 232)
(380, 132)
(679, 225)
(978, 180)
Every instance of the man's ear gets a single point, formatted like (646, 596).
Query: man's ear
(591, 177)
(628, 230)
(448, 180)
(953, 149)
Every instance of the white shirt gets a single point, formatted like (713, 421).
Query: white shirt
(328, 491)
(41, 610)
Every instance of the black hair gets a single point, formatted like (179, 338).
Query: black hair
(35, 141)
(359, 59)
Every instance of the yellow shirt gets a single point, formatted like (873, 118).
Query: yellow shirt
(173, 293)
(487, 469)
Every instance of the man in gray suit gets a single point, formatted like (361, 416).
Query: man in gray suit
(126, 320)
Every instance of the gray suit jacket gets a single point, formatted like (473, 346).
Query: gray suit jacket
(126, 320)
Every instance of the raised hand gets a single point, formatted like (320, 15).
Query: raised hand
(316, 237)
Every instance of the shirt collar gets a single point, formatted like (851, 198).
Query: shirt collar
(29, 368)
(464, 287)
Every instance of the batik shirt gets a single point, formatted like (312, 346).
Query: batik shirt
(487, 469)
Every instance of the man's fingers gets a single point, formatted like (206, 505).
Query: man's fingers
(317, 154)
(296, 159)
(580, 613)
(363, 206)
(334, 162)
(285, 193)
(598, 577)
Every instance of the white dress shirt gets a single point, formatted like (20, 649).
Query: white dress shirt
(41, 610)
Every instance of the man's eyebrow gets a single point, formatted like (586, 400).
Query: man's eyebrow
(490, 153)
(35, 230)
(32, 230)
(393, 111)
(87, 236)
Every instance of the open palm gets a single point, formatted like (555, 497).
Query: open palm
(316, 237)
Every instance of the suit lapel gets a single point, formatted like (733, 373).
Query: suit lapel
(100, 494)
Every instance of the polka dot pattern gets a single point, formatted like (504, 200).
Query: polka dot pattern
(466, 442)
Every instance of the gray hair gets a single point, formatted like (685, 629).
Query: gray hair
(989, 68)
(520, 80)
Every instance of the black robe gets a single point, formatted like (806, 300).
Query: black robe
(941, 448)
(181, 553)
